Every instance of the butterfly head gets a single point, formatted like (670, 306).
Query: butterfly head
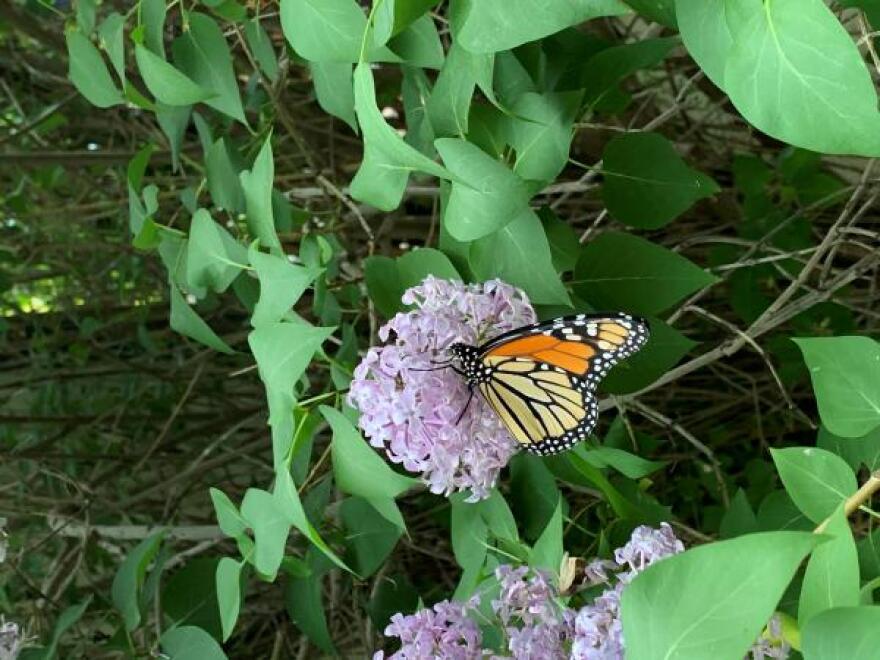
(469, 358)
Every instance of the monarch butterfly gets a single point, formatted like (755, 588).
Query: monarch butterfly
(541, 379)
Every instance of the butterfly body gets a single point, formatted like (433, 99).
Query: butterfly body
(541, 379)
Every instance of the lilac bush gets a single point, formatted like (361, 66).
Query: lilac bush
(412, 413)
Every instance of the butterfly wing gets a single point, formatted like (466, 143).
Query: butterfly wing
(544, 376)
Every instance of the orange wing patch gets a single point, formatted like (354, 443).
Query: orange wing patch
(573, 356)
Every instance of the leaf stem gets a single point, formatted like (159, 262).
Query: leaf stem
(856, 500)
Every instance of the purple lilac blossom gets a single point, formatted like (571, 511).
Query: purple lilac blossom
(412, 414)
(645, 546)
(443, 631)
(598, 632)
(538, 627)
(11, 640)
(771, 644)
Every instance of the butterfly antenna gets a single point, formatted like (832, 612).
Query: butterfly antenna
(464, 410)
(440, 368)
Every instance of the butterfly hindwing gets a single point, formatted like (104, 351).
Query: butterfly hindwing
(542, 378)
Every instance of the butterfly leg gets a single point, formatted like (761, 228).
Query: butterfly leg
(464, 410)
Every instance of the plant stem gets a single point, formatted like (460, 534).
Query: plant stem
(857, 499)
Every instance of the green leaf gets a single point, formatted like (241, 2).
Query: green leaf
(63, 623)
(383, 284)
(533, 493)
(152, 16)
(189, 642)
(203, 55)
(846, 379)
(487, 26)
(647, 184)
(415, 90)
(485, 196)
(794, 73)
(660, 11)
(832, 577)
(519, 254)
(547, 552)
(89, 73)
(739, 518)
(844, 633)
(498, 516)
(223, 178)
(630, 465)
(173, 119)
(271, 529)
(334, 89)
(388, 278)
(127, 583)
(326, 30)
(468, 533)
(419, 44)
(166, 83)
(283, 351)
(388, 160)
(663, 351)
(189, 596)
(414, 266)
(817, 480)
(603, 71)
(357, 467)
(564, 245)
(228, 517)
(369, 536)
(620, 271)
(717, 613)
(185, 321)
(281, 285)
(855, 451)
(112, 34)
(261, 47)
(287, 500)
(450, 100)
(305, 606)
(228, 581)
(407, 11)
(257, 186)
(540, 130)
(778, 512)
(213, 257)
(575, 466)
(704, 29)
(85, 15)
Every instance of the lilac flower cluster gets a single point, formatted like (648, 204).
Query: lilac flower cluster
(536, 624)
(771, 644)
(443, 631)
(598, 632)
(11, 640)
(412, 412)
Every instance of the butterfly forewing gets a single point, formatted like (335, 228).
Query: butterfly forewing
(542, 378)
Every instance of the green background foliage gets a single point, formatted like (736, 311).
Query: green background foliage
(208, 209)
